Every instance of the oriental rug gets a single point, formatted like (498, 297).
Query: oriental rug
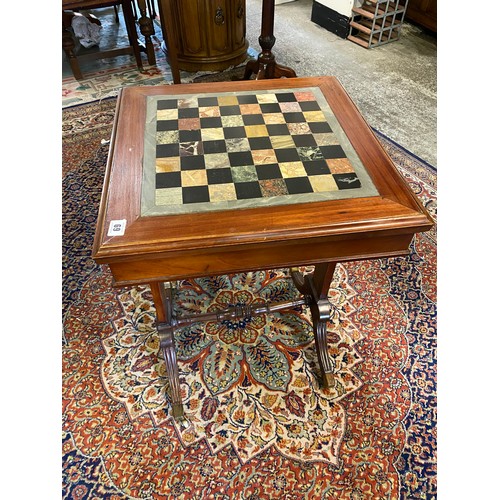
(107, 81)
(258, 426)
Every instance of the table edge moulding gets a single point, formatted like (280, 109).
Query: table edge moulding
(165, 248)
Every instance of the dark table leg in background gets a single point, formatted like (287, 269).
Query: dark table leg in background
(266, 67)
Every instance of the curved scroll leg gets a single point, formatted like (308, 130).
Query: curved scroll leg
(320, 310)
(300, 282)
(267, 70)
(280, 71)
(252, 67)
(167, 345)
(320, 314)
(315, 287)
(165, 325)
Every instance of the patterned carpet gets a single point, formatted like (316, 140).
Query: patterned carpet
(108, 81)
(258, 426)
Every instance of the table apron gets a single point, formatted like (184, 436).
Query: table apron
(212, 262)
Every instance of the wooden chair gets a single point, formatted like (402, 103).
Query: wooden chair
(145, 24)
(165, 12)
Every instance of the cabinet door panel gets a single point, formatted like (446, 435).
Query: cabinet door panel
(239, 27)
(191, 29)
(209, 34)
(218, 18)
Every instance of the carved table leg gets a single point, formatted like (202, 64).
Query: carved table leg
(265, 66)
(165, 325)
(320, 310)
(316, 286)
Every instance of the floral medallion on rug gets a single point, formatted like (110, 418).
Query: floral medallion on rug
(257, 426)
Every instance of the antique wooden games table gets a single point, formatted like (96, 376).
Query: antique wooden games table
(218, 178)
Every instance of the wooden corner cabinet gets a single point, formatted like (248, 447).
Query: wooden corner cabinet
(210, 35)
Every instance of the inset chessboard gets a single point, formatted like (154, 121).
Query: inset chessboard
(242, 149)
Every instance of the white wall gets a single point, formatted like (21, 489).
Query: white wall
(343, 7)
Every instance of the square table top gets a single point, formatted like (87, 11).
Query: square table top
(246, 169)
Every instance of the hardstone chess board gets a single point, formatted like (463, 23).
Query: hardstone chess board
(246, 149)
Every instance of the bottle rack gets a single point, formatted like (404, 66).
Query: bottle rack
(377, 22)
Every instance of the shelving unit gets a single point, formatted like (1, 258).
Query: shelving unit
(377, 22)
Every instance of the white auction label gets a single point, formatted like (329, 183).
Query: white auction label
(117, 227)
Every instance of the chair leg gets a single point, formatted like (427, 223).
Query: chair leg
(117, 18)
(151, 9)
(147, 30)
(68, 45)
(131, 31)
